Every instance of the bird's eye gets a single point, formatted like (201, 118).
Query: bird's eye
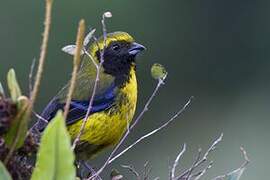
(115, 47)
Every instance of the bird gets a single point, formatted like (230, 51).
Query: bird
(115, 100)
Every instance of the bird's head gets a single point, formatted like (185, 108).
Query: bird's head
(120, 51)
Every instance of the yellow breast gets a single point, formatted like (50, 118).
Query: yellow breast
(107, 127)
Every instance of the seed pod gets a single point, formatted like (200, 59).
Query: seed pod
(158, 71)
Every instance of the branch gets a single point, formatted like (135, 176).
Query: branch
(153, 132)
(30, 77)
(199, 161)
(241, 168)
(146, 171)
(132, 169)
(77, 139)
(110, 158)
(76, 64)
(43, 52)
(176, 162)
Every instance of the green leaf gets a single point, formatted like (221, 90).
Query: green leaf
(55, 160)
(4, 174)
(17, 132)
(15, 91)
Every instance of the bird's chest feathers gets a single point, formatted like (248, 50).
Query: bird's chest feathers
(108, 126)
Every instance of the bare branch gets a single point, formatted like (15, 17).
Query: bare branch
(176, 162)
(30, 77)
(146, 171)
(110, 158)
(152, 132)
(77, 139)
(76, 64)
(201, 173)
(132, 169)
(43, 52)
(239, 170)
(194, 163)
(197, 162)
(39, 117)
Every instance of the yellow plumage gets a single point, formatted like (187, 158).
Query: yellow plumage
(106, 128)
(115, 99)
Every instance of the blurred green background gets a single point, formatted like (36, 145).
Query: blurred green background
(217, 51)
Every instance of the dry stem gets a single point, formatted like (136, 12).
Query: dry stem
(76, 64)
(98, 68)
(43, 51)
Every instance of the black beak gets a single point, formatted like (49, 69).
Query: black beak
(135, 49)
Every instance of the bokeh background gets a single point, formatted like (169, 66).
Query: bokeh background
(217, 51)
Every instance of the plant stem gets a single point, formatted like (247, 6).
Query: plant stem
(76, 64)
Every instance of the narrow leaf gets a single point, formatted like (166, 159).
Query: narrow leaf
(15, 91)
(70, 49)
(55, 158)
(88, 37)
(4, 174)
(18, 130)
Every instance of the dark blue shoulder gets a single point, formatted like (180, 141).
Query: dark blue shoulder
(78, 108)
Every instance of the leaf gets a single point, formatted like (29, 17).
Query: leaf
(2, 92)
(18, 130)
(15, 91)
(55, 158)
(88, 37)
(70, 49)
(4, 174)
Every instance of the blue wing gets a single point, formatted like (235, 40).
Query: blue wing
(78, 108)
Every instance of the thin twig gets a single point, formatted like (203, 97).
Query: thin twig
(110, 158)
(203, 159)
(31, 76)
(40, 117)
(176, 162)
(159, 84)
(98, 68)
(76, 64)
(77, 139)
(243, 166)
(132, 169)
(43, 51)
(92, 59)
(203, 171)
(152, 132)
(194, 163)
(146, 171)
